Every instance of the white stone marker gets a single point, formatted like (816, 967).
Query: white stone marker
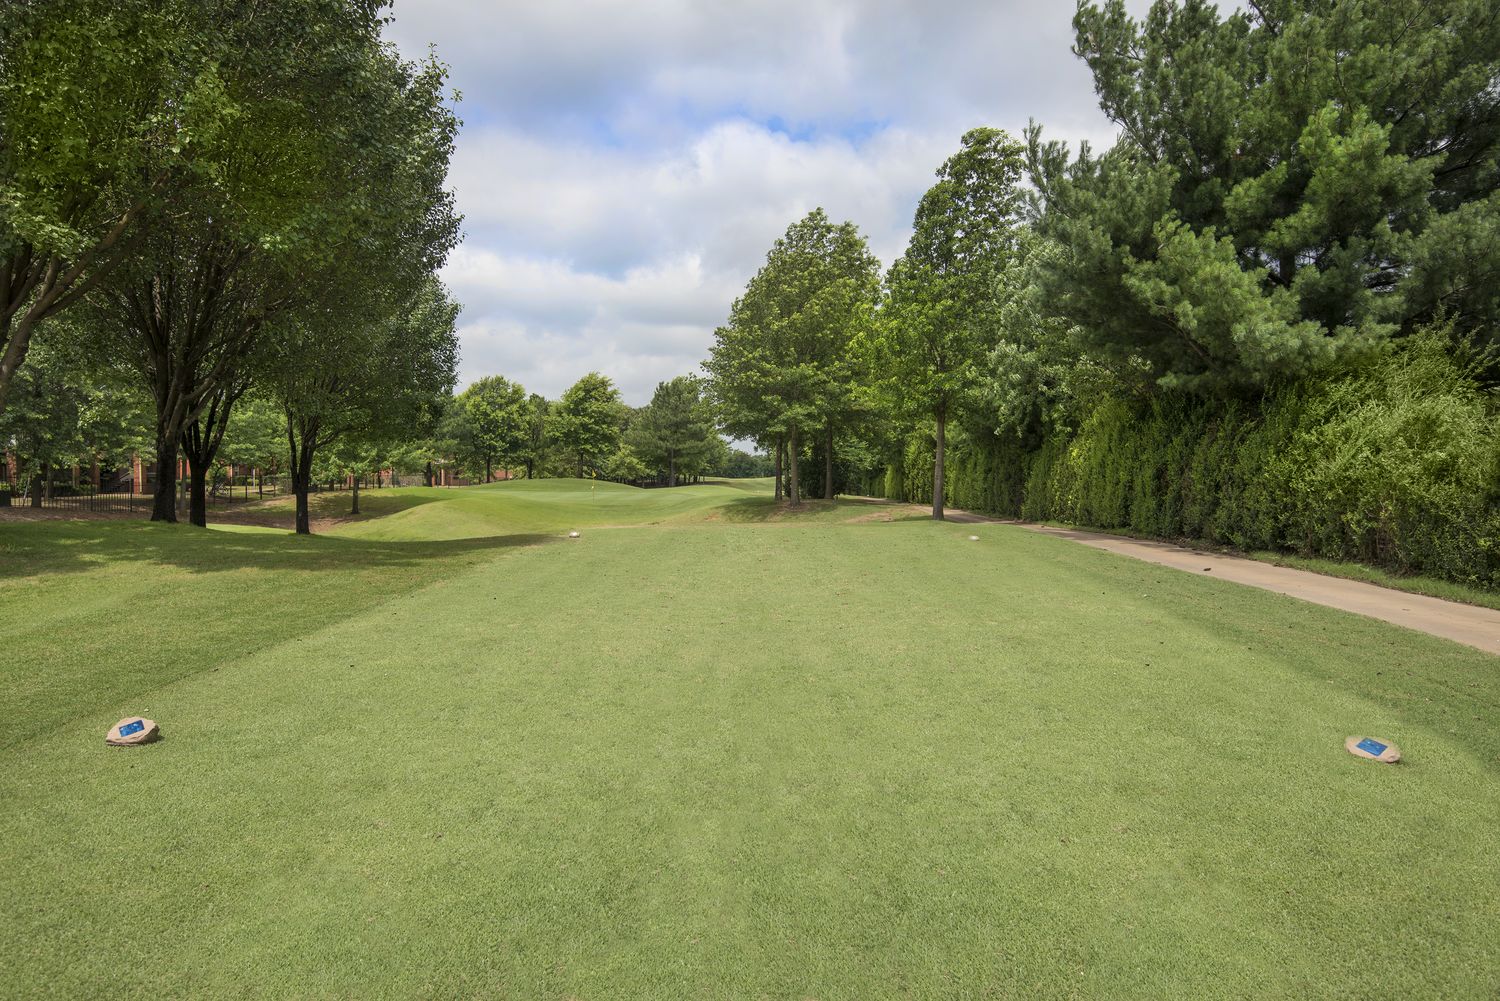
(572, 535)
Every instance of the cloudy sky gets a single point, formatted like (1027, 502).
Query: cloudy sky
(624, 166)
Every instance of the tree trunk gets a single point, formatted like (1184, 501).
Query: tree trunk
(164, 505)
(671, 469)
(1286, 269)
(200, 441)
(429, 474)
(487, 469)
(780, 448)
(301, 469)
(15, 341)
(197, 492)
(300, 485)
(794, 488)
(828, 465)
(37, 480)
(355, 508)
(938, 483)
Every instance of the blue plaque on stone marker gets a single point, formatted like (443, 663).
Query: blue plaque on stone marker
(1367, 745)
(135, 727)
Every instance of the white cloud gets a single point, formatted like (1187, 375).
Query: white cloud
(586, 256)
(625, 167)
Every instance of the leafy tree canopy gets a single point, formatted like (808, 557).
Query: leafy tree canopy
(943, 299)
(374, 382)
(943, 296)
(587, 424)
(494, 424)
(781, 364)
(675, 433)
(65, 412)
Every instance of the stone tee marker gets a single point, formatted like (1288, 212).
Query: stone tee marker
(1375, 750)
(132, 730)
(572, 535)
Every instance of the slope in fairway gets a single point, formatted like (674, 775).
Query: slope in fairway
(408, 513)
(720, 754)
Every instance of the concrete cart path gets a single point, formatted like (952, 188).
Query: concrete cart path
(1468, 624)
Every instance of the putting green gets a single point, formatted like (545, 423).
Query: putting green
(709, 750)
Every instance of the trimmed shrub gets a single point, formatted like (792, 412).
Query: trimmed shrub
(1396, 465)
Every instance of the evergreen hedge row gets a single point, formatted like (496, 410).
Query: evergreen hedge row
(1397, 465)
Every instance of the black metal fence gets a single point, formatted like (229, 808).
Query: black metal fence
(122, 497)
(91, 501)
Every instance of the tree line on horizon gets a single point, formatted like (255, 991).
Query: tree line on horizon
(494, 425)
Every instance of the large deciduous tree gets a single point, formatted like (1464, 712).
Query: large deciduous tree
(587, 424)
(372, 290)
(942, 298)
(494, 423)
(777, 369)
(367, 378)
(371, 350)
(327, 186)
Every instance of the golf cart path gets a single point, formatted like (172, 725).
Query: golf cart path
(1470, 625)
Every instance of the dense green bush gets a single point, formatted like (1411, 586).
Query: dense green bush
(1397, 465)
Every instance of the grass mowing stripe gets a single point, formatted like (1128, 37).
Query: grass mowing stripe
(95, 615)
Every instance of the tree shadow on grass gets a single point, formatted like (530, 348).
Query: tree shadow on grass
(280, 512)
(768, 509)
(57, 547)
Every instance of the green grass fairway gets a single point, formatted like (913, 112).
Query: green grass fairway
(710, 750)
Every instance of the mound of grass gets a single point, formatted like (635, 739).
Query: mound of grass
(528, 506)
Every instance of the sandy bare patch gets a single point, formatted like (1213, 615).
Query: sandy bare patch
(891, 512)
